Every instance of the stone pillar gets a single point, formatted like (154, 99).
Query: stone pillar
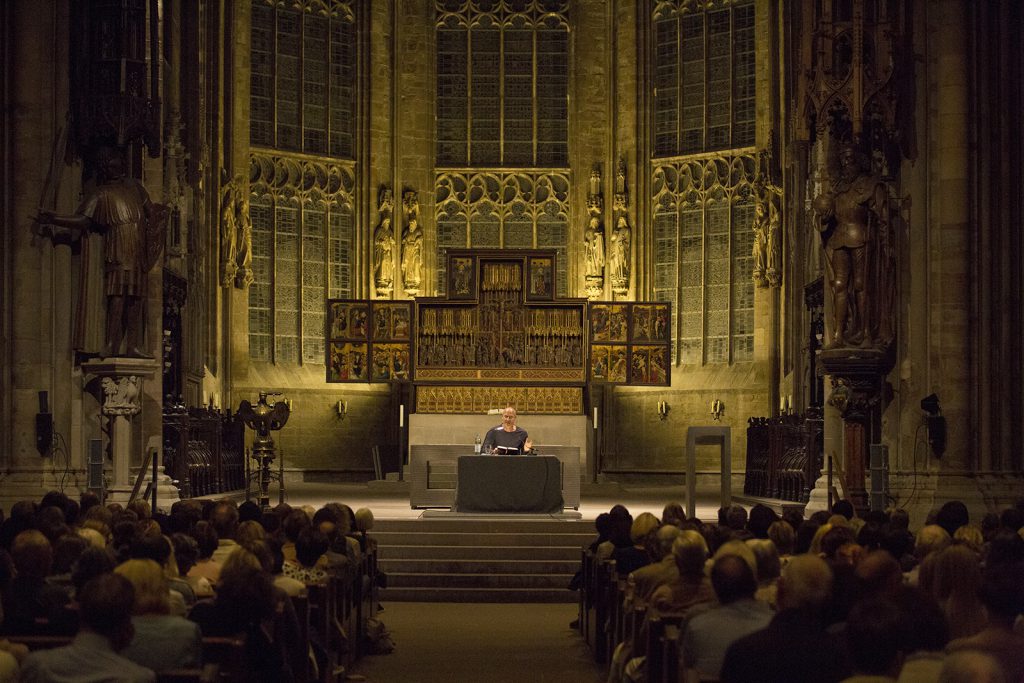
(119, 386)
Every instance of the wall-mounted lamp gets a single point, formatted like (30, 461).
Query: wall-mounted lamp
(717, 409)
(342, 408)
(663, 410)
(936, 424)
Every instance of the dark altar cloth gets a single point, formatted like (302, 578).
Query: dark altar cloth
(508, 483)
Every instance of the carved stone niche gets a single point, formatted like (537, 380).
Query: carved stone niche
(859, 392)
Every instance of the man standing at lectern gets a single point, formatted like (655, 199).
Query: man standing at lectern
(507, 435)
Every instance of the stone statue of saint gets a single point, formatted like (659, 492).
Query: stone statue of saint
(767, 222)
(383, 255)
(133, 227)
(228, 233)
(412, 254)
(593, 244)
(243, 256)
(859, 254)
(235, 235)
(621, 238)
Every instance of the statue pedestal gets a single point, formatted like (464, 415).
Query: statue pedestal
(858, 392)
(117, 385)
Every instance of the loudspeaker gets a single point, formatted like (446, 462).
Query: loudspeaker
(879, 460)
(44, 433)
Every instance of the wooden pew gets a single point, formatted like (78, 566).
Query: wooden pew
(662, 638)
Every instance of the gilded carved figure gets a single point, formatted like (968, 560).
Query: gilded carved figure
(235, 235)
(620, 247)
(384, 247)
(593, 243)
(412, 254)
(766, 226)
(859, 246)
(132, 226)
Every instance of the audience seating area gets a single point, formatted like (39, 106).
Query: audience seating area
(878, 599)
(278, 595)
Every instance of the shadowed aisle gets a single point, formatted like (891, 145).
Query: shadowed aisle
(489, 643)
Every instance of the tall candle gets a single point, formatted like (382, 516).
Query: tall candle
(401, 415)
(595, 417)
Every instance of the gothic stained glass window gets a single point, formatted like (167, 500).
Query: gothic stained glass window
(303, 77)
(702, 217)
(302, 102)
(502, 84)
(302, 255)
(703, 64)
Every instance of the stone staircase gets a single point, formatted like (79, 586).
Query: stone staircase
(472, 559)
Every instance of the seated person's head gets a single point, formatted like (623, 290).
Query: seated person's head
(873, 637)
(294, 523)
(32, 554)
(249, 530)
(248, 510)
(105, 607)
(244, 589)
(971, 666)
(91, 563)
(66, 552)
(673, 514)
(1002, 592)
(644, 524)
(310, 546)
(224, 518)
(151, 592)
(364, 519)
(782, 535)
(156, 548)
(736, 517)
(186, 552)
(660, 542)
(733, 579)
(930, 539)
(761, 517)
(805, 584)
(690, 552)
(767, 557)
(206, 538)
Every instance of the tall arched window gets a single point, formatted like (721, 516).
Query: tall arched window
(702, 173)
(302, 119)
(502, 127)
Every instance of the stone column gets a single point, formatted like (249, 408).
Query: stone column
(119, 385)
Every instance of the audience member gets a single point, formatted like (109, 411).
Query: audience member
(794, 647)
(634, 556)
(708, 635)
(642, 582)
(106, 628)
(31, 604)
(1002, 594)
(224, 520)
(691, 587)
(873, 641)
(162, 641)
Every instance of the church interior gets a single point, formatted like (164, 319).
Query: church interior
(723, 250)
(799, 222)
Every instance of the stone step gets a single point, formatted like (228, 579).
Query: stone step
(463, 566)
(484, 525)
(479, 552)
(510, 538)
(461, 580)
(554, 595)
(441, 559)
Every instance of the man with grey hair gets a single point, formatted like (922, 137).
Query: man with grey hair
(642, 582)
(794, 647)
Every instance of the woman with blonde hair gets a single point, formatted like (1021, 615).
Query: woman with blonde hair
(162, 641)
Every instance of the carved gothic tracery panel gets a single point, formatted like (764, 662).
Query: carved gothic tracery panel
(494, 209)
